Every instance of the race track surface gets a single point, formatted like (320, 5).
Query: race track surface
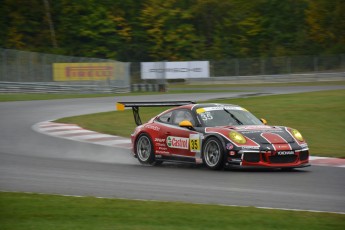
(34, 162)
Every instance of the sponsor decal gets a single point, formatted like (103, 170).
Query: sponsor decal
(250, 147)
(206, 116)
(177, 142)
(175, 70)
(229, 146)
(284, 153)
(162, 152)
(153, 127)
(206, 109)
(254, 127)
(83, 71)
(194, 142)
(160, 140)
(89, 71)
(166, 70)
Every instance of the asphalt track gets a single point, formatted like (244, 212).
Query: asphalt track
(34, 162)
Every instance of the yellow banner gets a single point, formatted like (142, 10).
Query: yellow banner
(84, 71)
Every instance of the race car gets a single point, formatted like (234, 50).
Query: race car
(216, 135)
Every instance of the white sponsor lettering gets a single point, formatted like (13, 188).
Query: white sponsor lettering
(283, 153)
(156, 128)
(160, 140)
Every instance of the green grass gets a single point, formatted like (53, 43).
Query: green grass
(319, 116)
(32, 211)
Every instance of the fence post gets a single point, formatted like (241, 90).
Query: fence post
(288, 65)
(342, 62)
(3, 61)
(316, 69)
(263, 65)
(237, 67)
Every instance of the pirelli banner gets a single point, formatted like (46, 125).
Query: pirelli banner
(175, 70)
(86, 71)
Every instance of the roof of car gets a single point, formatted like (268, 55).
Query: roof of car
(203, 105)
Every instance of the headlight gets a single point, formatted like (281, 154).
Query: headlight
(237, 137)
(297, 135)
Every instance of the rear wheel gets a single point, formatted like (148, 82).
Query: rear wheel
(213, 153)
(145, 149)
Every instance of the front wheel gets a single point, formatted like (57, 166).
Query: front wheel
(213, 153)
(144, 149)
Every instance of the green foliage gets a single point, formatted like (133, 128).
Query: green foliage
(326, 24)
(146, 30)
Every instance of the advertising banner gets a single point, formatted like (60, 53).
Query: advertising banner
(84, 71)
(175, 70)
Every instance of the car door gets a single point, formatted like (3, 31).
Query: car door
(178, 138)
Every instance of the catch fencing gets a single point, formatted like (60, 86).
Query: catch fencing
(271, 69)
(24, 71)
(278, 65)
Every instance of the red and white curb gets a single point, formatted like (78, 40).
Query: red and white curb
(76, 133)
(327, 161)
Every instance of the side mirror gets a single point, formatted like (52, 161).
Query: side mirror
(186, 124)
(263, 121)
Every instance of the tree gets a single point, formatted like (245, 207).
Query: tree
(170, 31)
(24, 25)
(326, 23)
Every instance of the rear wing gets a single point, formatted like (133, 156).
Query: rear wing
(136, 105)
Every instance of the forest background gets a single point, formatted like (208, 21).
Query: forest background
(174, 30)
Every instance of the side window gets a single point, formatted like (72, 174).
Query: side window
(166, 118)
(181, 115)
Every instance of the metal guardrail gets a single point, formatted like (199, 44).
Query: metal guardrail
(279, 78)
(39, 87)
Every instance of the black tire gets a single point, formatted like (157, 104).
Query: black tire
(145, 149)
(213, 153)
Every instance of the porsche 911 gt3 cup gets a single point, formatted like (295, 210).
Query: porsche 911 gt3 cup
(216, 135)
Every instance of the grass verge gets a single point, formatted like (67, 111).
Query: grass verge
(319, 116)
(33, 211)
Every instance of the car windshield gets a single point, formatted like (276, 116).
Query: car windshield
(226, 116)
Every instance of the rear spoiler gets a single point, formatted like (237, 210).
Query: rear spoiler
(135, 106)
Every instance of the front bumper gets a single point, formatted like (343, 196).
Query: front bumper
(268, 159)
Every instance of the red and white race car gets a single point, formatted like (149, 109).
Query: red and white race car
(216, 135)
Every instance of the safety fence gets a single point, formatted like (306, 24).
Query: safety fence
(278, 65)
(266, 69)
(22, 71)
(39, 72)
